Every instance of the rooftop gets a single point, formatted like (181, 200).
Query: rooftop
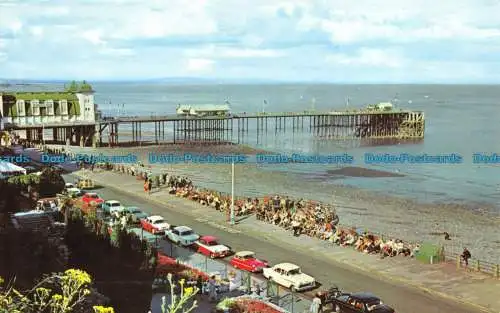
(208, 238)
(287, 266)
(42, 96)
(365, 296)
(244, 253)
(156, 218)
(204, 107)
(183, 228)
(33, 220)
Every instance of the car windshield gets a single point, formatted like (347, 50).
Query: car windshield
(135, 211)
(93, 196)
(186, 233)
(294, 271)
(212, 243)
(159, 222)
(115, 204)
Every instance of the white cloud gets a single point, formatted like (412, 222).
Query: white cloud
(93, 36)
(122, 52)
(370, 58)
(200, 65)
(213, 51)
(36, 31)
(291, 38)
(358, 21)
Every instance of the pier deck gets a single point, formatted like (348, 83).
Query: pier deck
(233, 128)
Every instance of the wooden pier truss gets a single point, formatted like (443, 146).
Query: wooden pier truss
(359, 124)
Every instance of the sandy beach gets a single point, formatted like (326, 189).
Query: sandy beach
(469, 225)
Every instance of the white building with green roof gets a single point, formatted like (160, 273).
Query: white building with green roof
(28, 109)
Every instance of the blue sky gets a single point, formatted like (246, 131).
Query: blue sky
(335, 40)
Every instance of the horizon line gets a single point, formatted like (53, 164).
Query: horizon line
(206, 80)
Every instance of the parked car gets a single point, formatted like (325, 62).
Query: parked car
(290, 276)
(30, 169)
(74, 192)
(92, 198)
(155, 224)
(182, 235)
(85, 183)
(112, 206)
(209, 246)
(359, 302)
(136, 213)
(246, 260)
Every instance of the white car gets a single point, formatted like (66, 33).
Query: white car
(290, 276)
(74, 192)
(210, 246)
(112, 206)
(155, 224)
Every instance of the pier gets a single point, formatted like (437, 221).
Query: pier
(234, 128)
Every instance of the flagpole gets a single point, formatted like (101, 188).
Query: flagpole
(232, 193)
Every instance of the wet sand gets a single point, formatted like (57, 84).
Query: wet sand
(351, 171)
(470, 225)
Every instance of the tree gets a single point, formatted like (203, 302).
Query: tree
(51, 182)
(73, 87)
(178, 303)
(85, 87)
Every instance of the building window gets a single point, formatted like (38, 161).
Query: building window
(63, 107)
(21, 108)
(50, 107)
(34, 107)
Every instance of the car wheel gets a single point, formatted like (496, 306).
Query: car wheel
(212, 256)
(293, 289)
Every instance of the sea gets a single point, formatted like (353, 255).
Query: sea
(460, 119)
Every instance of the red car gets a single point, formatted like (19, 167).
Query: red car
(209, 246)
(91, 198)
(246, 260)
(155, 224)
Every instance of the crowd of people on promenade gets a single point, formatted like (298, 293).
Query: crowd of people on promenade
(302, 217)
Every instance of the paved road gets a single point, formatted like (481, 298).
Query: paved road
(403, 298)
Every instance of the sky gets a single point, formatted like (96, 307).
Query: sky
(346, 41)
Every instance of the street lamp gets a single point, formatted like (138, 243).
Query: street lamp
(232, 193)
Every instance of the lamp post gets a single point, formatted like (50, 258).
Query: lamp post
(232, 193)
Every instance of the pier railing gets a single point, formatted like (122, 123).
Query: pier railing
(249, 115)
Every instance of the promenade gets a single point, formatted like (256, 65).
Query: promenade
(407, 285)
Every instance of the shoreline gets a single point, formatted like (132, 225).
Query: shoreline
(384, 214)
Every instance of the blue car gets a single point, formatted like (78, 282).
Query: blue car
(182, 235)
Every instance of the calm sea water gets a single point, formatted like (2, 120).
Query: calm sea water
(459, 119)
